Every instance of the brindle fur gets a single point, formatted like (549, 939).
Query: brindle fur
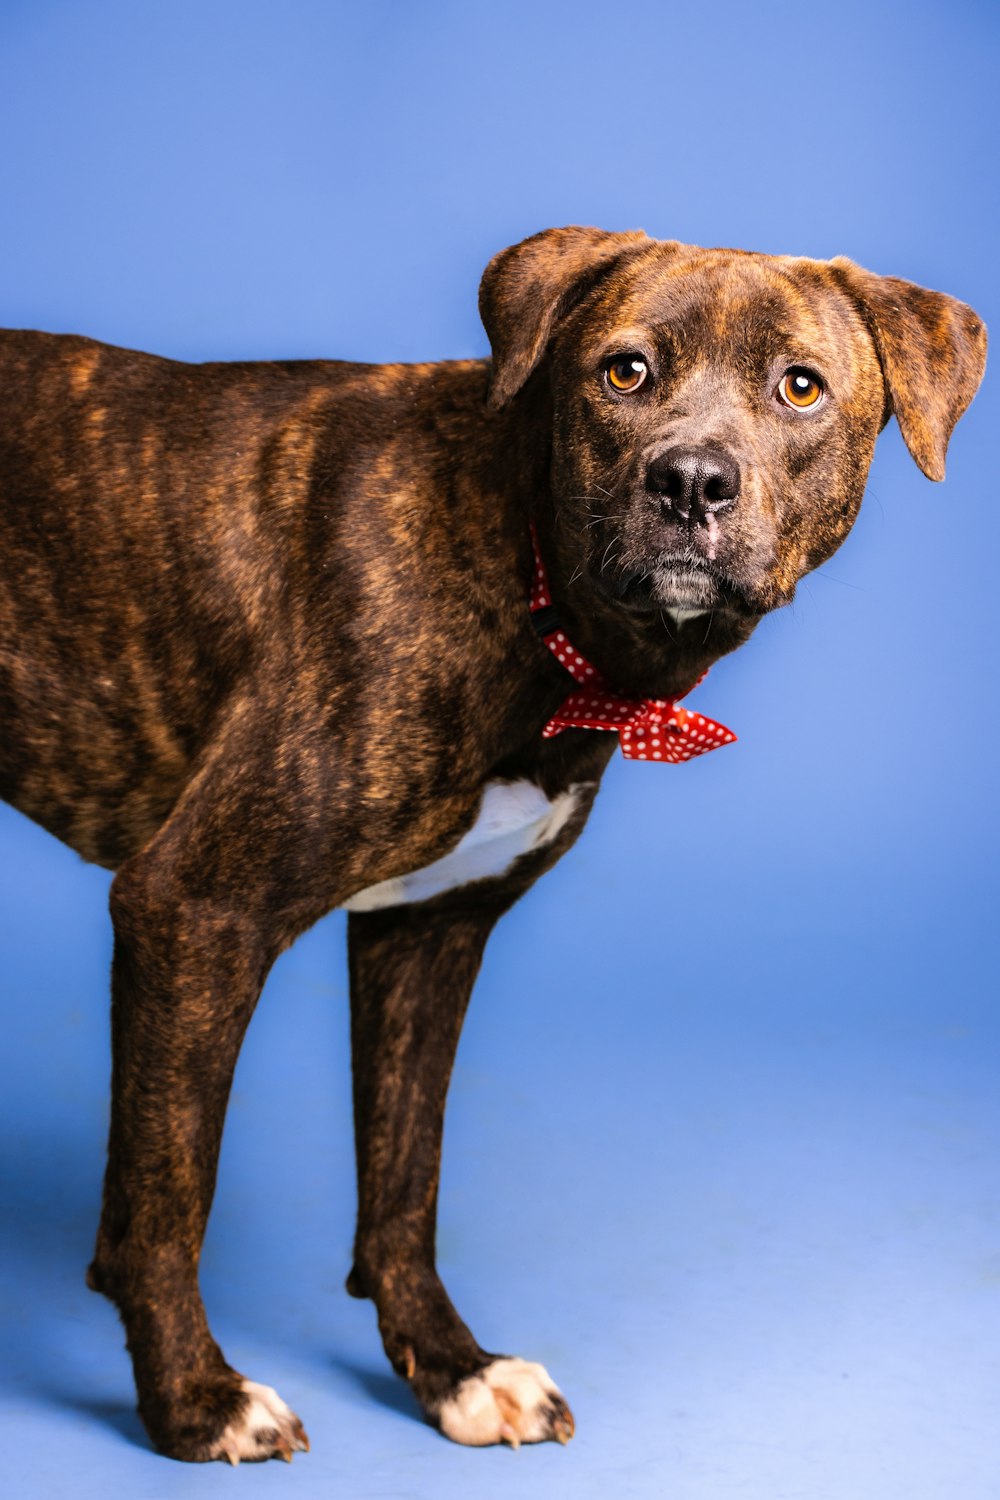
(263, 638)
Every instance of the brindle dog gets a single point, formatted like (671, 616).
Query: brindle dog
(265, 650)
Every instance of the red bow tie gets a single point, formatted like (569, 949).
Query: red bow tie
(648, 728)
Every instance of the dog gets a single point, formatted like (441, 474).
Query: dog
(282, 637)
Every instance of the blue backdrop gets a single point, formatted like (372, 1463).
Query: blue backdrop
(752, 1017)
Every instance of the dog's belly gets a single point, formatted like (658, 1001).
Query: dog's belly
(514, 817)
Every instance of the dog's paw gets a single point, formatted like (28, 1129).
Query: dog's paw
(509, 1401)
(265, 1428)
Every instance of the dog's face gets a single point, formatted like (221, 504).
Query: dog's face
(714, 411)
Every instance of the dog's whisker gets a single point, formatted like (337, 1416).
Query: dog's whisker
(845, 583)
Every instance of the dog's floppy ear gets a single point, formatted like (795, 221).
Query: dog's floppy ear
(932, 349)
(525, 289)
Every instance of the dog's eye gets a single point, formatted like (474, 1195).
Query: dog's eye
(800, 388)
(626, 373)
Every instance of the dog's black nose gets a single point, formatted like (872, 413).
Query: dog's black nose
(694, 483)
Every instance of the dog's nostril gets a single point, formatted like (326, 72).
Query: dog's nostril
(694, 482)
(717, 487)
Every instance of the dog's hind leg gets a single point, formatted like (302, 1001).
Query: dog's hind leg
(412, 971)
(191, 955)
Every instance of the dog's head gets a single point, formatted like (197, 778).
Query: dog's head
(715, 411)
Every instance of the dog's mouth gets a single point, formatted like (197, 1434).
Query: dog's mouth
(673, 583)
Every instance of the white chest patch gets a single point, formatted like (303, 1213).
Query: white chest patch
(514, 817)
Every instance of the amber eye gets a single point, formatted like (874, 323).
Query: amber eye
(626, 373)
(800, 388)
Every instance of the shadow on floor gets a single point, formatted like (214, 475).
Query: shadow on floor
(382, 1387)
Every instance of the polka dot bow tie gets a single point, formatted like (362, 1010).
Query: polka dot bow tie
(648, 728)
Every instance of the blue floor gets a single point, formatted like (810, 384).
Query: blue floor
(746, 1213)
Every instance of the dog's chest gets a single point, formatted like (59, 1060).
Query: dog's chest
(514, 818)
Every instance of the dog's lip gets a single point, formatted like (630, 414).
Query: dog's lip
(661, 585)
(640, 588)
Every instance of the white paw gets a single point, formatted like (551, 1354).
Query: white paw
(510, 1401)
(266, 1428)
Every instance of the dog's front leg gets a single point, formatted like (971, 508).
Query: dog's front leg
(412, 971)
(187, 973)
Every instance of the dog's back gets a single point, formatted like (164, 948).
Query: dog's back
(145, 524)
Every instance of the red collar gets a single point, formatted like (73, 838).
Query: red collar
(648, 728)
